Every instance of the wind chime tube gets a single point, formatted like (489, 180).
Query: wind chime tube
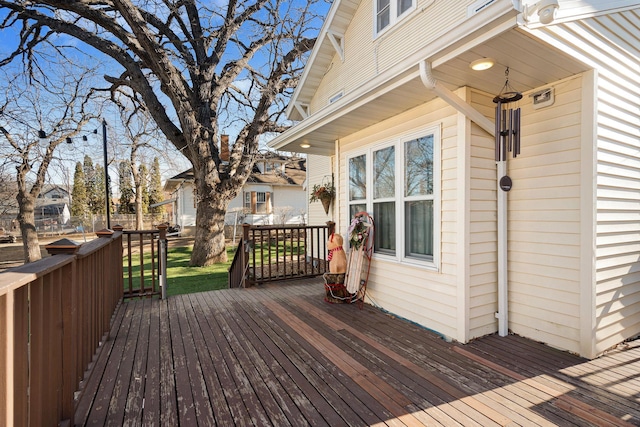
(511, 129)
(505, 130)
(517, 133)
(498, 131)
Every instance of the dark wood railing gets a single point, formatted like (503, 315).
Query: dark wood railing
(145, 255)
(54, 313)
(268, 253)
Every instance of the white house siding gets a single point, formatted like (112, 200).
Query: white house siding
(365, 56)
(293, 200)
(419, 294)
(317, 169)
(544, 221)
(482, 242)
(357, 58)
(617, 289)
(186, 206)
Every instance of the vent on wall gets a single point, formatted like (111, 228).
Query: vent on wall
(479, 6)
(543, 98)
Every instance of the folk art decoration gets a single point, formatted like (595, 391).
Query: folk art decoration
(507, 122)
(324, 192)
(346, 281)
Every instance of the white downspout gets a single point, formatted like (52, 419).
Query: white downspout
(459, 104)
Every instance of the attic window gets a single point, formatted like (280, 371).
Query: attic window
(388, 12)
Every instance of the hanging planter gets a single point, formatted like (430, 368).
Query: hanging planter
(325, 193)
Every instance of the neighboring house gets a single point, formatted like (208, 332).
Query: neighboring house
(52, 205)
(273, 194)
(389, 104)
(54, 193)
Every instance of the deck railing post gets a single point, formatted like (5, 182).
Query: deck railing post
(245, 254)
(162, 254)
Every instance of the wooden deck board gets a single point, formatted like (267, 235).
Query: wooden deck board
(277, 355)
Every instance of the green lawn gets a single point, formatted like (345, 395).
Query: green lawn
(181, 278)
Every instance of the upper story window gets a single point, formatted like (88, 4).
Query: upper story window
(388, 12)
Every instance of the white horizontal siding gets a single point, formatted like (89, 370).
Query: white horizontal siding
(611, 45)
(483, 258)
(318, 169)
(367, 56)
(544, 234)
(422, 295)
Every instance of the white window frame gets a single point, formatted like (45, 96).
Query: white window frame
(399, 198)
(394, 18)
(261, 203)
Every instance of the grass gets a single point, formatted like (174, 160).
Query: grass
(182, 278)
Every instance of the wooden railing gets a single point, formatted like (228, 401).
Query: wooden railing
(268, 253)
(54, 313)
(145, 255)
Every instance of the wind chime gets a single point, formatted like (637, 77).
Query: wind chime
(507, 121)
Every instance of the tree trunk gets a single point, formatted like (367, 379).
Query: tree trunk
(209, 245)
(26, 218)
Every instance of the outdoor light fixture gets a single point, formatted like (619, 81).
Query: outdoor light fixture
(546, 11)
(42, 134)
(482, 64)
(305, 145)
(69, 141)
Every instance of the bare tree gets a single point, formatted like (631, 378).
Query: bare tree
(57, 103)
(8, 190)
(193, 66)
(141, 138)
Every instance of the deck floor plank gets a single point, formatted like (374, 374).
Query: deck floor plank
(215, 345)
(168, 391)
(330, 390)
(151, 401)
(275, 401)
(304, 393)
(278, 355)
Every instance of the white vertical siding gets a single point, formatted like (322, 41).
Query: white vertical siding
(611, 45)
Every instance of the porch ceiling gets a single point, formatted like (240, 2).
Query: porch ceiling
(531, 63)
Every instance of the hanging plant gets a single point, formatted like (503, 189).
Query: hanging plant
(324, 193)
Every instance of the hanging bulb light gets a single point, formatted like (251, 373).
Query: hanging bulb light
(507, 121)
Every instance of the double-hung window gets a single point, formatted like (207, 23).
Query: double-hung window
(398, 183)
(388, 12)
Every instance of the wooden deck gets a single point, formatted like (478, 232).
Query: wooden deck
(279, 355)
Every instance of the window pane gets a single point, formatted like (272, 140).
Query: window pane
(384, 176)
(383, 14)
(358, 177)
(261, 205)
(384, 215)
(354, 209)
(418, 170)
(404, 5)
(418, 228)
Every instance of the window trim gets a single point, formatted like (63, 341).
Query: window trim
(398, 142)
(394, 18)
